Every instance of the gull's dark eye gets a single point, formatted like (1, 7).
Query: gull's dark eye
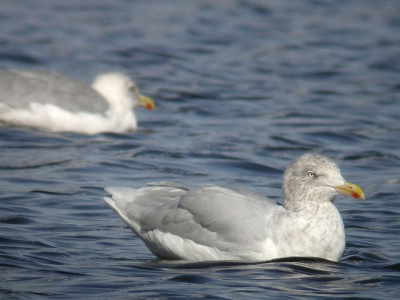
(133, 88)
(311, 174)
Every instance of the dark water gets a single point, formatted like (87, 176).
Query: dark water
(242, 88)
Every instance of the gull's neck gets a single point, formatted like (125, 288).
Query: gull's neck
(301, 199)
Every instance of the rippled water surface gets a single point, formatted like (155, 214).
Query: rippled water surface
(242, 88)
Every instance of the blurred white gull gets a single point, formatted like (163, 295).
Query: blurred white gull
(53, 102)
(214, 223)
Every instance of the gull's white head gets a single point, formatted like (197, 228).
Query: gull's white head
(314, 178)
(120, 92)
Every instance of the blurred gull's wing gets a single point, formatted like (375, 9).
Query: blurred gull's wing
(19, 88)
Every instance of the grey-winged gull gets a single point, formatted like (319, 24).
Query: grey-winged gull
(214, 223)
(51, 101)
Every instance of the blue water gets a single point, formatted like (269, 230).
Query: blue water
(242, 88)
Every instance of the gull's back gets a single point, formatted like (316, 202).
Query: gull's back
(19, 88)
(204, 223)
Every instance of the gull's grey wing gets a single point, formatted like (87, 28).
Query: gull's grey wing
(19, 88)
(210, 216)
